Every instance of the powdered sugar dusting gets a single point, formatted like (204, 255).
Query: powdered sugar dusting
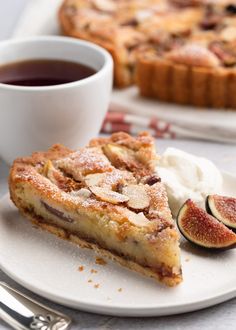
(110, 179)
(101, 187)
(194, 55)
(85, 161)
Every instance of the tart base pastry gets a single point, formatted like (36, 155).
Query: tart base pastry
(107, 197)
(181, 84)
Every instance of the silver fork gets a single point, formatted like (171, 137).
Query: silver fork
(24, 313)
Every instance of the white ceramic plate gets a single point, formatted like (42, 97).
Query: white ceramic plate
(49, 266)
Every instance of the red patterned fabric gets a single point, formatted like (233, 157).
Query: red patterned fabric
(121, 118)
(120, 121)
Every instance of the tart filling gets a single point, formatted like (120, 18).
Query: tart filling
(108, 196)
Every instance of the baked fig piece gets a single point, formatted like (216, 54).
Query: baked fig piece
(223, 208)
(202, 229)
(231, 9)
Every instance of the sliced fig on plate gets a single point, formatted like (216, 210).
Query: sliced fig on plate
(223, 208)
(201, 228)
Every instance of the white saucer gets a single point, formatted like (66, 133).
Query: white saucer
(48, 266)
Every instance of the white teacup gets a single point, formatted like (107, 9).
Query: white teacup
(34, 118)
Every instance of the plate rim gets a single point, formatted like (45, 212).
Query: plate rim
(125, 310)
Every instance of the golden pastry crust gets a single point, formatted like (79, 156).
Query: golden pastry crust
(192, 44)
(176, 83)
(105, 196)
(146, 271)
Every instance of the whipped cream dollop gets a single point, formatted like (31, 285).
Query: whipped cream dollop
(188, 176)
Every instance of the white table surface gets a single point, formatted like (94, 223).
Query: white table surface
(220, 317)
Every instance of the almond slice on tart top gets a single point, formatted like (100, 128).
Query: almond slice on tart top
(105, 196)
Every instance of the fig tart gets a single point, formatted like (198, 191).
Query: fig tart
(181, 51)
(106, 196)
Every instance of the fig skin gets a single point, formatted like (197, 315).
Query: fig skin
(202, 229)
(223, 208)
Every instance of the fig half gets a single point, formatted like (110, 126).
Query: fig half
(200, 228)
(223, 208)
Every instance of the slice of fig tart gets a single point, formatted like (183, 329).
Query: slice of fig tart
(106, 196)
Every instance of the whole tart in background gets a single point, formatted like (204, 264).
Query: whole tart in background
(175, 50)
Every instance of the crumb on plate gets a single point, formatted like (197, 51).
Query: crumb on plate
(100, 261)
(93, 271)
